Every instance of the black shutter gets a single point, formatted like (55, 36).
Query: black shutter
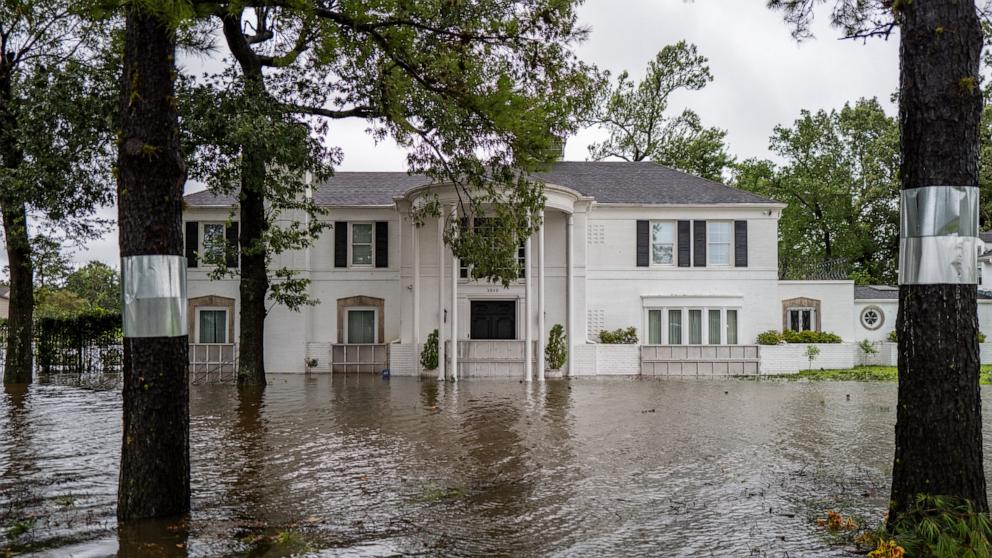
(699, 243)
(685, 250)
(340, 244)
(192, 242)
(232, 245)
(740, 243)
(382, 244)
(643, 241)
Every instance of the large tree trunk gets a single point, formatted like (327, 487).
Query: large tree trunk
(154, 477)
(254, 284)
(18, 359)
(939, 416)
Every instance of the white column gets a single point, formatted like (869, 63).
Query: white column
(570, 292)
(440, 296)
(528, 312)
(416, 286)
(454, 305)
(540, 301)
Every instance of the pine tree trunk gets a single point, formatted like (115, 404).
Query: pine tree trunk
(18, 358)
(254, 285)
(154, 476)
(939, 416)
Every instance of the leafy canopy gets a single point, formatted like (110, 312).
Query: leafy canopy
(634, 115)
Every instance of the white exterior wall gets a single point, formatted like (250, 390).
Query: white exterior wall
(619, 292)
(889, 308)
(836, 304)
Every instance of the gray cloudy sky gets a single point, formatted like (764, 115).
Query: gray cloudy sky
(762, 76)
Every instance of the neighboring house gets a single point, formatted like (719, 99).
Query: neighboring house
(4, 302)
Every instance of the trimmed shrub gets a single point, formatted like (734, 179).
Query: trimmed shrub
(619, 336)
(428, 355)
(770, 337)
(556, 352)
(893, 336)
(810, 336)
(867, 348)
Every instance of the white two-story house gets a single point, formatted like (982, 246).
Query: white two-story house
(690, 263)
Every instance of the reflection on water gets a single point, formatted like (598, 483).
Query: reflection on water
(360, 466)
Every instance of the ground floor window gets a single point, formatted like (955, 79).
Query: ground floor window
(801, 319)
(212, 325)
(713, 326)
(361, 326)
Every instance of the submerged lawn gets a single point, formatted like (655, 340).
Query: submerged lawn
(865, 374)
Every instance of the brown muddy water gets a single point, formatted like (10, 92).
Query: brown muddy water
(361, 466)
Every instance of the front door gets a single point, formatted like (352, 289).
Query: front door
(494, 319)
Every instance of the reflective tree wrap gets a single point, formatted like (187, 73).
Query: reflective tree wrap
(154, 288)
(938, 236)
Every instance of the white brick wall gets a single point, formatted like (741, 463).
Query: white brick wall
(618, 360)
(321, 352)
(791, 357)
(584, 360)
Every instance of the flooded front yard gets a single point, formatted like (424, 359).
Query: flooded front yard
(360, 466)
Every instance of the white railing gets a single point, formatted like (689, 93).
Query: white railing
(213, 363)
(367, 358)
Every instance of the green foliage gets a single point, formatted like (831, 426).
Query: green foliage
(49, 261)
(867, 347)
(939, 527)
(556, 352)
(893, 336)
(812, 351)
(60, 304)
(770, 337)
(97, 283)
(840, 181)
(619, 336)
(634, 116)
(866, 374)
(429, 352)
(981, 337)
(810, 336)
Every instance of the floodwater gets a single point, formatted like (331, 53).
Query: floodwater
(361, 466)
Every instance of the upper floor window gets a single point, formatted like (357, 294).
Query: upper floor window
(213, 241)
(717, 243)
(662, 242)
(212, 325)
(361, 243)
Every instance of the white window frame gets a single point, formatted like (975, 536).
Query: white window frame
(202, 233)
(729, 243)
(351, 244)
(674, 243)
(227, 322)
(724, 324)
(684, 313)
(788, 317)
(375, 323)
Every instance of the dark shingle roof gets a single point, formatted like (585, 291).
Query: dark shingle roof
(985, 237)
(4, 292)
(607, 182)
(887, 292)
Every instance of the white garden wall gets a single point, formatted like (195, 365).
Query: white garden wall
(791, 357)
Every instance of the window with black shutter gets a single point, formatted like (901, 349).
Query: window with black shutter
(685, 248)
(192, 242)
(699, 243)
(232, 254)
(340, 244)
(643, 243)
(381, 244)
(740, 243)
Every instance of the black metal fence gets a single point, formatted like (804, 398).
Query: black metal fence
(85, 344)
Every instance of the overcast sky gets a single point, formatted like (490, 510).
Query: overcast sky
(762, 77)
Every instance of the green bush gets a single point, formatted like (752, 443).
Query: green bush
(893, 336)
(428, 355)
(619, 336)
(981, 337)
(810, 336)
(938, 527)
(867, 347)
(770, 337)
(556, 352)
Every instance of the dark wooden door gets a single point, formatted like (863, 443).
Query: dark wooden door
(494, 319)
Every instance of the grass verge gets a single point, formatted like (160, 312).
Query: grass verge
(863, 374)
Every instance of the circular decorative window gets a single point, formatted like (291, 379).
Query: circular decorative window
(872, 317)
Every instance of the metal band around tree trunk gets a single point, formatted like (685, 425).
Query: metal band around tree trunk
(154, 289)
(938, 236)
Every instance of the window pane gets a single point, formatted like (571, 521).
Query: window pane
(654, 327)
(361, 326)
(661, 243)
(731, 327)
(806, 320)
(718, 243)
(675, 327)
(213, 240)
(361, 254)
(361, 233)
(718, 254)
(794, 320)
(695, 327)
(714, 333)
(213, 326)
(718, 232)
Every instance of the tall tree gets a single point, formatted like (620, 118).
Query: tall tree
(55, 139)
(839, 177)
(939, 416)
(450, 82)
(634, 115)
(154, 473)
(97, 283)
